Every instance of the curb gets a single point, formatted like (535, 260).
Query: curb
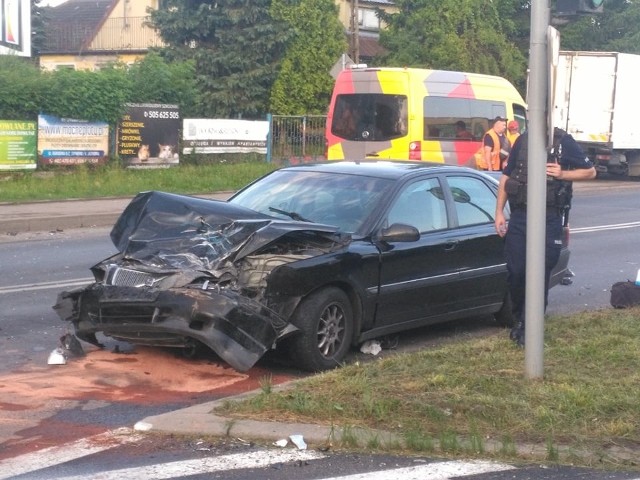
(200, 420)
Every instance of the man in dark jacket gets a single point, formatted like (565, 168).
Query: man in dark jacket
(565, 164)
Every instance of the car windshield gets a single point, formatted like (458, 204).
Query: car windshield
(336, 199)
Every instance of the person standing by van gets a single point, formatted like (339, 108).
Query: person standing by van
(495, 146)
(513, 131)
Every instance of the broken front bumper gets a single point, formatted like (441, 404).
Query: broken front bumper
(236, 328)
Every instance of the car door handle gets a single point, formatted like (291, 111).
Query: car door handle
(450, 245)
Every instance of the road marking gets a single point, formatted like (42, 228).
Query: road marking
(79, 282)
(49, 457)
(600, 228)
(185, 468)
(432, 471)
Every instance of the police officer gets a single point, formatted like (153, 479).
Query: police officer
(566, 163)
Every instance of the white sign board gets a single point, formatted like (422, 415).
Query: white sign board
(202, 135)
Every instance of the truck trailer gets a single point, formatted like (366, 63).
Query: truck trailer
(596, 100)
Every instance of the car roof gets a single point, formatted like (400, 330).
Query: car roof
(378, 168)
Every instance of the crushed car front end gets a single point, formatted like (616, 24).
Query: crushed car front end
(192, 271)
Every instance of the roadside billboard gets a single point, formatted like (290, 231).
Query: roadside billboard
(201, 135)
(148, 135)
(15, 27)
(18, 145)
(64, 141)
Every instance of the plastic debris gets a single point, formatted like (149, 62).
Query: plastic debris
(71, 345)
(298, 441)
(142, 426)
(372, 347)
(281, 443)
(56, 357)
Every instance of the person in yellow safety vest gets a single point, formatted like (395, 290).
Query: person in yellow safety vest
(513, 131)
(495, 146)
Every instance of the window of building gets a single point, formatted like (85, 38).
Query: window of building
(368, 20)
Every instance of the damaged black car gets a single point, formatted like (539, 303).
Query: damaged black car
(313, 259)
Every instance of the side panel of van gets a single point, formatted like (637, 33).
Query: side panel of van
(416, 114)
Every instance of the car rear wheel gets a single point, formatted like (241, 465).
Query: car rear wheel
(325, 320)
(504, 316)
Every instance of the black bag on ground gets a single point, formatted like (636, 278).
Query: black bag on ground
(625, 294)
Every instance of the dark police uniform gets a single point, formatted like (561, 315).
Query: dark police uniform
(570, 156)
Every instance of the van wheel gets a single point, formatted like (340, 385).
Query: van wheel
(325, 320)
(504, 316)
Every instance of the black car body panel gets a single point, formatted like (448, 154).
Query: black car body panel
(405, 244)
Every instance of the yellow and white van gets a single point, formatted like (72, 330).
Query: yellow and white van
(416, 114)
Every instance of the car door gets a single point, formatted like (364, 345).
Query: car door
(479, 250)
(440, 276)
(416, 277)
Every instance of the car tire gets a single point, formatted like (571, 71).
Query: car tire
(325, 320)
(504, 316)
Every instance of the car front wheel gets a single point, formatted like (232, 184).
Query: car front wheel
(325, 320)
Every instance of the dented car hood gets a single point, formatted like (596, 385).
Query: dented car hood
(170, 231)
(177, 277)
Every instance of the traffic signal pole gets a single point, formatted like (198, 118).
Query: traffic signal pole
(536, 189)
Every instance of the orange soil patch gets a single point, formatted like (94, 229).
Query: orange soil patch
(101, 374)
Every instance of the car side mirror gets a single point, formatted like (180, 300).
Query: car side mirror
(399, 232)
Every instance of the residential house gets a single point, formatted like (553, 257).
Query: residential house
(86, 34)
(363, 35)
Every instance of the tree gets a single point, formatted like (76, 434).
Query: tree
(86, 95)
(236, 47)
(155, 80)
(304, 84)
(462, 35)
(617, 29)
(21, 89)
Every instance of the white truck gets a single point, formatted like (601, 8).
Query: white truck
(597, 100)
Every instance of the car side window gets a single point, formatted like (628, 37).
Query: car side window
(474, 200)
(421, 205)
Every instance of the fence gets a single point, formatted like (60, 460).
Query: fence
(296, 139)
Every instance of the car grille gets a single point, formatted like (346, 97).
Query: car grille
(123, 315)
(126, 277)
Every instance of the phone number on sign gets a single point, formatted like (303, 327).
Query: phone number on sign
(157, 114)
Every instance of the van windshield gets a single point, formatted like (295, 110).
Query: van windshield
(448, 118)
(370, 117)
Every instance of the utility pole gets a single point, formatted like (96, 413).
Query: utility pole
(354, 26)
(537, 189)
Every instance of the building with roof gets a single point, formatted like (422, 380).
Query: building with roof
(86, 34)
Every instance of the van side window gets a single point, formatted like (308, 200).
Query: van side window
(520, 115)
(369, 117)
(443, 117)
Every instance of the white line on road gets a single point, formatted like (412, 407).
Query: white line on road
(600, 228)
(79, 282)
(432, 471)
(185, 468)
(51, 456)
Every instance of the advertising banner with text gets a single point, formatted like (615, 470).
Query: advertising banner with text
(17, 145)
(201, 135)
(64, 141)
(148, 135)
